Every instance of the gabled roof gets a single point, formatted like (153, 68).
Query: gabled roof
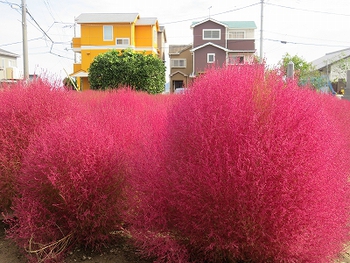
(178, 72)
(206, 20)
(331, 58)
(8, 54)
(229, 24)
(211, 44)
(87, 18)
(178, 49)
(79, 73)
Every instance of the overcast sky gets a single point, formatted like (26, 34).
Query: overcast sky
(307, 28)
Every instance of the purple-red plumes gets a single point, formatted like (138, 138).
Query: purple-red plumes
(24, 109)
(77, 172)
(254, 169)
(72, 185)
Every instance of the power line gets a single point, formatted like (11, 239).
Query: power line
(303, 43)
(202, 17)
(308, 10)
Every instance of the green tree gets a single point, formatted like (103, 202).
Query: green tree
(303, 70)
(115, 69)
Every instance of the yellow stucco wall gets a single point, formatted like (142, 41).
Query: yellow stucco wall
(91, 43)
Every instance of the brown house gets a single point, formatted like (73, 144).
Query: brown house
(214, 43)
(181, 65)
(222, 43)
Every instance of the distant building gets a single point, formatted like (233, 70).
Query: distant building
(181, 66)
(8, 66)
(334, 65)
(214, 43)
(103, 32)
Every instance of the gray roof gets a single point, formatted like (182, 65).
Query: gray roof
(106, 18)
(146, 21)
(177, 49)
(8, 54)
(331, 58)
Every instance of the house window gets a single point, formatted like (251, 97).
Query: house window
(211, 34)
(107, 33)
(234, 59)
(210, 57)
(178, 63)
(122, 41)
(235, 34)
(12, 63)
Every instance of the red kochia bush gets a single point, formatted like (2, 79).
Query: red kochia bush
(254, 170)
(24, 109)
(71, 187)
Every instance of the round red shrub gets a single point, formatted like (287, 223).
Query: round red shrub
(71, 187)
(254, 169)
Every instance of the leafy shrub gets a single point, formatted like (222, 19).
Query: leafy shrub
(75, 173)
(24, 109)
(253, 170)
(71, 186)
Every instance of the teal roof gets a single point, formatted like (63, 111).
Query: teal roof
(239, 24)
(233, 24)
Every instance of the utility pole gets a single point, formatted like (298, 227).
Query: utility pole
(261, 31)
(25, 40)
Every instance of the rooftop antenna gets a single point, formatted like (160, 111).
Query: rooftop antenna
(209, 10)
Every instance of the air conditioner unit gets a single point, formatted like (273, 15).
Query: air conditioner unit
(12, 73)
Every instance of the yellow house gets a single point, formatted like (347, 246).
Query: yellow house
(100, 32)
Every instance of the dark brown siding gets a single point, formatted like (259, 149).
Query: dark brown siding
(198, 34)
(201, 58)
(241, 44)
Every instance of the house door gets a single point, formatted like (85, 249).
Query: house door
(178, 84)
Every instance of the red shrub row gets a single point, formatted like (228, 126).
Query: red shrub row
(242, 168)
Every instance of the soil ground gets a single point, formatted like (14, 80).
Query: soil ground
(121, 252)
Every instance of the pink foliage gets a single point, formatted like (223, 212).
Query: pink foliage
(24, 109)
(252, 169)
(76, 172)
(71, 184)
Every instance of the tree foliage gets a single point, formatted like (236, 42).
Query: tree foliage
(115, 69)
(303, 70)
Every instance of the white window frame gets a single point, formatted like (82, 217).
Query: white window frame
(125, 41)
(176, 63)
(211, 30)
(209, 55)
(232, 34)
(107, 33)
